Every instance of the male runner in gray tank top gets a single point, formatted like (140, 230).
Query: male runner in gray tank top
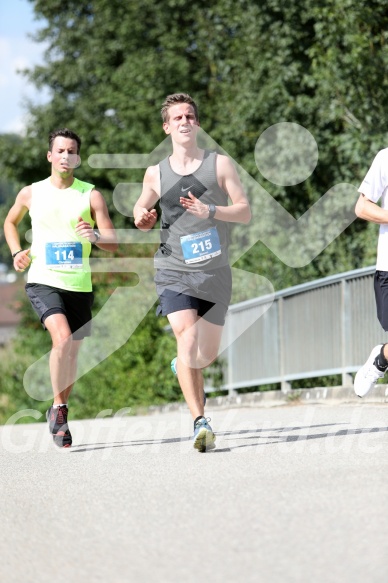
(199, 193)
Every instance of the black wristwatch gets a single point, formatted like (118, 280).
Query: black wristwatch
(98, 237)
(212, 210)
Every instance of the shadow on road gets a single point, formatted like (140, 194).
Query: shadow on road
(254, 437)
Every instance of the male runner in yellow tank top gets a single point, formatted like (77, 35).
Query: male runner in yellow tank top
(199, 193)
(67, 217)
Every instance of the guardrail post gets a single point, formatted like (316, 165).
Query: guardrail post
(231, 390)
(346, 339)
(285, 386)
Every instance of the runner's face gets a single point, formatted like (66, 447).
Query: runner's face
(63, 156)
(181, 124)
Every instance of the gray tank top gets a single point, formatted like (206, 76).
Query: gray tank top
(187, 242)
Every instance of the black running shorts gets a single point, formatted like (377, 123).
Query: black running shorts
(76, 306)
(208, 292)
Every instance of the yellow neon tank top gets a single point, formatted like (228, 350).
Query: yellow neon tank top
(59, 257)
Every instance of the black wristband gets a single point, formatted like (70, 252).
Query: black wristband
(212, 210)
(16, 252)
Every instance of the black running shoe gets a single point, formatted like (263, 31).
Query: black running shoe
(57, 419)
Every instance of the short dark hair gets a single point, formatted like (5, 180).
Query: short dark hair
(174, 99)
(64, 133)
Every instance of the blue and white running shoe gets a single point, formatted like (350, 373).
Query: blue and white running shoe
(204, 438)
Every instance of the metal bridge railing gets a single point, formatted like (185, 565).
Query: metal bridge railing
(320, 328)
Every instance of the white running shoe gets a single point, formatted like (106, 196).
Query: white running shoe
(368, 375)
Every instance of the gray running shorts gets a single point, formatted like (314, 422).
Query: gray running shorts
(208, 292)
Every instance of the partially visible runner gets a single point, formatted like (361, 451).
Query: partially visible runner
(67, 217)
(199, 193)
(373, 188)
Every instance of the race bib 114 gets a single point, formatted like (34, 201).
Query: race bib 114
(64, 255)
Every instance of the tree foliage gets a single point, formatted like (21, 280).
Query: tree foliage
(109, 65)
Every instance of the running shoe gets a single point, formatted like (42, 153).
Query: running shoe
(57, 420)
(174, 370)
(369, 374)
(204, 438)
(173, 366)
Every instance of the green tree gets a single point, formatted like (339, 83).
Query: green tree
(109, 65)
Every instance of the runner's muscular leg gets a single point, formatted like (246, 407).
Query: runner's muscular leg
(184, 326)
(209, 339)
(63, 357)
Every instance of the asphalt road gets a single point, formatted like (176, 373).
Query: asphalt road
(296, 493)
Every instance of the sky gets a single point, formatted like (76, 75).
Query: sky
(17, 51)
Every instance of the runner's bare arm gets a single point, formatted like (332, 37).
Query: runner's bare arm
(144, 214)
(370, 211)
(239, 211)
(100, 215)
(15, 215)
